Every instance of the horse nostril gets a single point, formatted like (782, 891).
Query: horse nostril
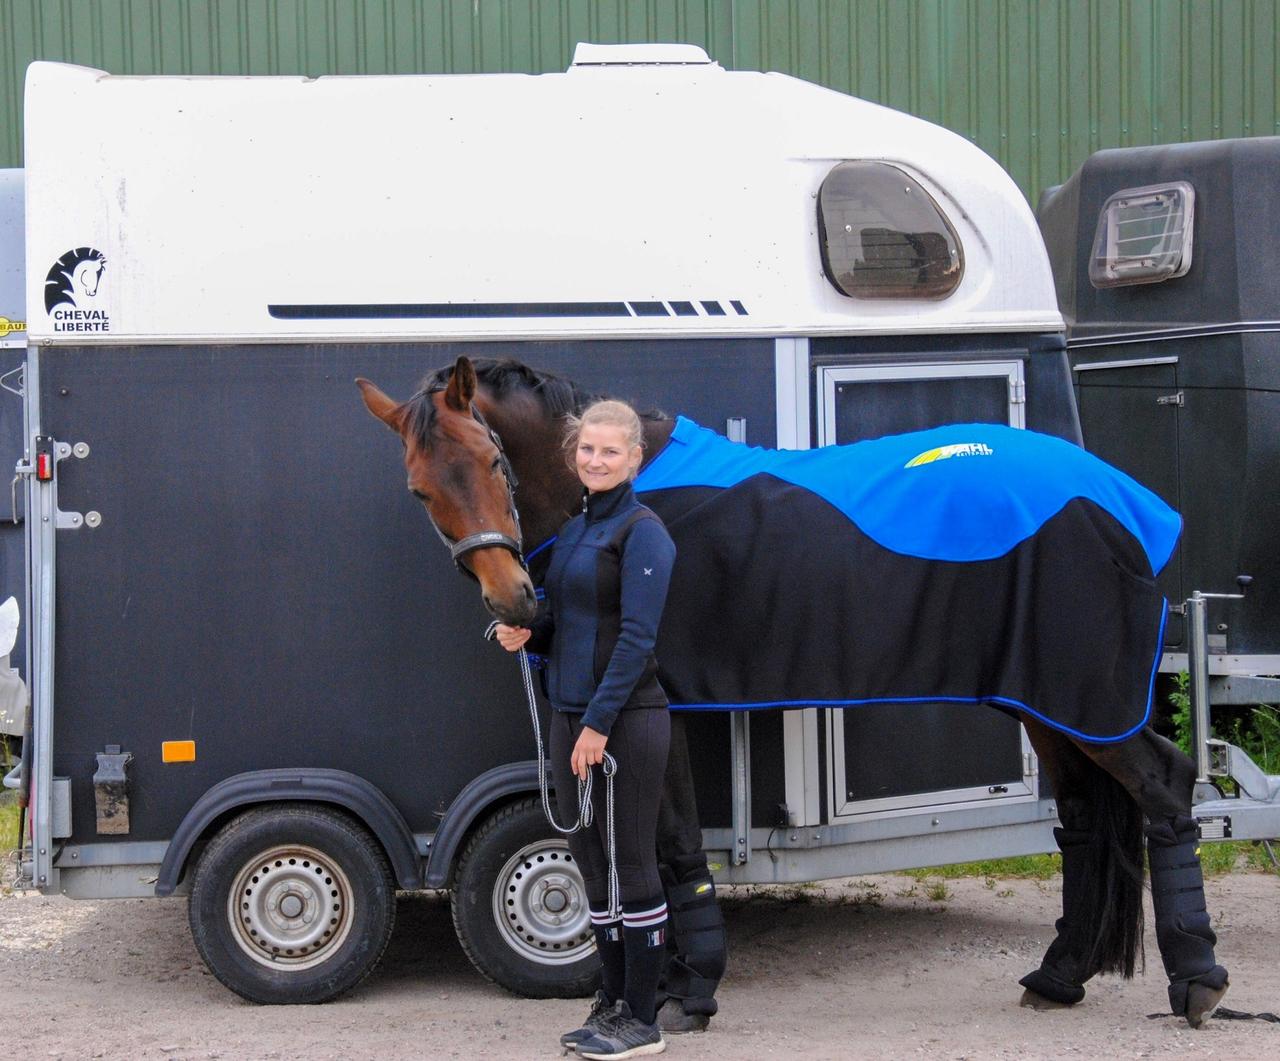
(528, 593)
(487, 602)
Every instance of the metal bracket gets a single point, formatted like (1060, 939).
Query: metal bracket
(1243, 689)
(1178, 399)
(740, 755)
(19, 388)
(1226, 760)
(1215, 758)
(73, 520)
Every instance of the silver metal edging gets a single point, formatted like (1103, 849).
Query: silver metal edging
(42, 501)
(799, 728)
(1137, 362)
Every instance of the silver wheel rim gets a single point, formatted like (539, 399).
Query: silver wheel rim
(540, 906)
(291, 907)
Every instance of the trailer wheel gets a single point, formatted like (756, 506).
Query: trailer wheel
(520, 910)
(292, 904)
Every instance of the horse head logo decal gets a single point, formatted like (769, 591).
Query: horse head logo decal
(74, 278)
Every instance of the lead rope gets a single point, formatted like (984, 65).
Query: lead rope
(586, 812)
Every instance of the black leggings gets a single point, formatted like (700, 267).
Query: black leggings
(639, 742)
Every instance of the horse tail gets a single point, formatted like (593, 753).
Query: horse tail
(1113, 882)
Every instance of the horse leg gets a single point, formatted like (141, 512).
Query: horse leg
(698, 951)
(1101, 843)
(1161, 779)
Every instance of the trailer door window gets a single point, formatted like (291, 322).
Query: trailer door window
(1144, 236)
(883, 236)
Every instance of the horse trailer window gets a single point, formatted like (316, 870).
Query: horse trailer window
(1144, 236)
(883, 236)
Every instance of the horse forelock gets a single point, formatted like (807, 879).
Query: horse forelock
(420, 416)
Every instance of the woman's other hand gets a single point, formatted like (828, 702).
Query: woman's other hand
(588, 751)
(512, 638)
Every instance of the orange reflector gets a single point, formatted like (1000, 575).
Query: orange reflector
(178, 751)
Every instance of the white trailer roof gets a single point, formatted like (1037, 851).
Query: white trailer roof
(486, 206)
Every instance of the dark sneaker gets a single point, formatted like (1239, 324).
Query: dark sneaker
(623, 1036)
(601, 1008)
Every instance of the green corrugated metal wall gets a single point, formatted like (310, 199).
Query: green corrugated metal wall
(1039, 84)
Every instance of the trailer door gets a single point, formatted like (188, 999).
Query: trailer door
(887, 758)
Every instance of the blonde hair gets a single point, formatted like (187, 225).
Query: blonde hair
(609, 412)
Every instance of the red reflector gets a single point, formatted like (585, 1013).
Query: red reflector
(44, 466)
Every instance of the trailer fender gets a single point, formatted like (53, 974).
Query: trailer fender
(337, 787)
(493, 786)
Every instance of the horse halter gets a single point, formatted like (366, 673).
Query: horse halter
(488, 539)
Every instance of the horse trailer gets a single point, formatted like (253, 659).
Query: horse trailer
(1164, 275)
(237, 614)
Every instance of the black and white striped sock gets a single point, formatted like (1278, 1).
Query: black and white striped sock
(612, 949)
(645, 931)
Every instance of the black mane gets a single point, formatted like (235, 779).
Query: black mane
(504, 376)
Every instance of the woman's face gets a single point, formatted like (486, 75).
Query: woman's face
(603, 457)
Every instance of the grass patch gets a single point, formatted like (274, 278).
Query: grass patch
(8, 820)
(1023, 867)
(1230, 855)
(1217, 858)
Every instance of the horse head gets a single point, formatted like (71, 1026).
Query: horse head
(87, 274)
(457, 469)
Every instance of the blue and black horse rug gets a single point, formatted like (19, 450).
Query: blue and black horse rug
(971, 563)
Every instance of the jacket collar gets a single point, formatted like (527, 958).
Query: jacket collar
(608, 502)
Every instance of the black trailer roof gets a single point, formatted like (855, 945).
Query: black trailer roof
(1236, 237)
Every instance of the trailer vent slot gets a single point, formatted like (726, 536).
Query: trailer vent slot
(883, 236)
(1144, 236)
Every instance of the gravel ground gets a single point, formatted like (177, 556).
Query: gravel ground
(866, 967)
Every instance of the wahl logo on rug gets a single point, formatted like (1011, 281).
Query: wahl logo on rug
(941, 453)
(70, 289)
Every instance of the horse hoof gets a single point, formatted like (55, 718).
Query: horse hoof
(1039, 1003)
(1202, 1001)
(673, 1020)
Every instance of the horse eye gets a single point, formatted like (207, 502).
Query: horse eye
(497, 463)
(418, 494)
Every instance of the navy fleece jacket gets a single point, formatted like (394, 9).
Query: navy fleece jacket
(605, 589)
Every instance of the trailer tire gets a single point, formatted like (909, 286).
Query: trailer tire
(520, 910)
(292, 904)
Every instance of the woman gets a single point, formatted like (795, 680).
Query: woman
(605, 589)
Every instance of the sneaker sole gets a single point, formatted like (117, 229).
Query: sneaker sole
(635, 1051)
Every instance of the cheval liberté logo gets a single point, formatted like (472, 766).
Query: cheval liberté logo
(941, 453)
(71, 287)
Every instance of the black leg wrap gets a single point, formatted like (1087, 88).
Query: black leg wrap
(1046, 985)
(697, 963)
(1064, 968)
(1182, 922)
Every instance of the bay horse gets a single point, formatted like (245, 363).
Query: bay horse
(474, 428)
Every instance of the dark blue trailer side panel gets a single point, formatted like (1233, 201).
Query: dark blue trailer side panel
(263, 584)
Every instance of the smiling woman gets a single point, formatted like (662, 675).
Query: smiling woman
(605, 444)
(606, 588)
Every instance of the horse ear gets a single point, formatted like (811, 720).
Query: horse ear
(462, 386)
(383, 407)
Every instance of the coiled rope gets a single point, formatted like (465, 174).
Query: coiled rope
(586, 810)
